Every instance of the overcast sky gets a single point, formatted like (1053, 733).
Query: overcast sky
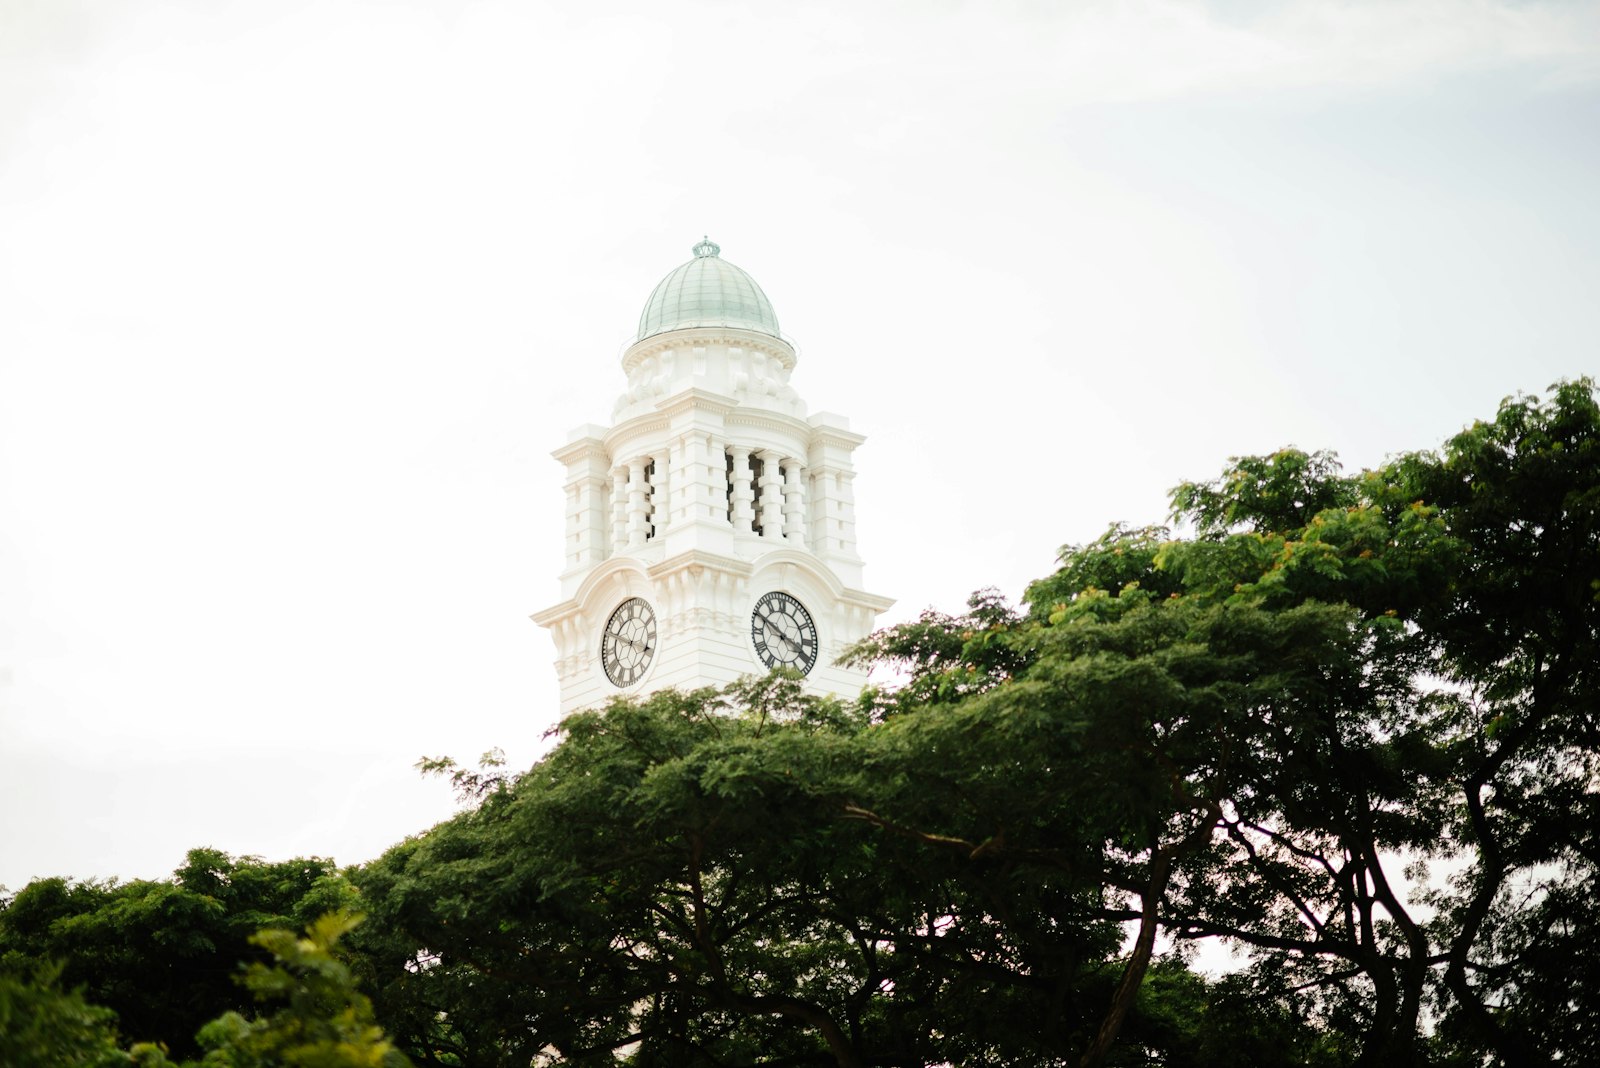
(296, 298)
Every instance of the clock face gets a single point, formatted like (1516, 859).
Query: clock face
(628, 642)
(783, 633)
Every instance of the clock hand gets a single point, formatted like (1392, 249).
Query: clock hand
(623, 639)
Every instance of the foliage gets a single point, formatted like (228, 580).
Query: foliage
(1262, 733)
(1341, 678)
(163, 953)
(470, 785)
(1345, 726)
(43, 1026)
(321, 1019)
(717, 878)
(1185, 1019)
(1518, 632)
(690, 880)
(943, 658)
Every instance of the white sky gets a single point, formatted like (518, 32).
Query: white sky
(296, 298)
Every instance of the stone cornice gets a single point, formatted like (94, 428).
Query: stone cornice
(693, 336)
(698, 558)
(659, 421)
(577, 449)
(611, 568)
(549, 617)
(645, 422)
(695, 397)
(761, 417)
(863, 599)
(833, 435)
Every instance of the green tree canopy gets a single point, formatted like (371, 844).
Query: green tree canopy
(1343, 724)
(1413, 656)
(43, 1026)
(163, 954)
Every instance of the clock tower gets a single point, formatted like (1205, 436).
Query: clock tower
(711, 528)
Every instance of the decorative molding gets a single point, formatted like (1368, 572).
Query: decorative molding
(696, 398)
(702, 336)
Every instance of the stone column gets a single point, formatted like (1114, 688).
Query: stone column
(574, 520)
(660, 496)
(619, 508)
(638, 509)
(771, 494)
(743, 496)
(833, 512)
(794, 503)
(703, 478)
(846, 495)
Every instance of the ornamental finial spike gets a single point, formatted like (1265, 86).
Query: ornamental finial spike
(706, 247)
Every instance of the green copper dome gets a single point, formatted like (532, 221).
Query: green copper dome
(707, 291)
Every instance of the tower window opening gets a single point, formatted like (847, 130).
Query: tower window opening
(758, 467)
(651, 491)
(728, 455)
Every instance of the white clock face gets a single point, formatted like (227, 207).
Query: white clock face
(628, 642)
(783, 633)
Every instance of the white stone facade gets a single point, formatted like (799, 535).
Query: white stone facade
(711, 489)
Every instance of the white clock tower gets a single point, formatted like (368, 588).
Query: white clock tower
(711, 528)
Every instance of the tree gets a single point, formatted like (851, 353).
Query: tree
(1346, 724)
(317, 1018)
(692, 880)
(163, 953)
(1518, 632)
(1434, 702)
(43, 1026)
(715, 878)
(1490, 556)
(1114, 745)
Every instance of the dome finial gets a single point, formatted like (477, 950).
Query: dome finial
(706, 247)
